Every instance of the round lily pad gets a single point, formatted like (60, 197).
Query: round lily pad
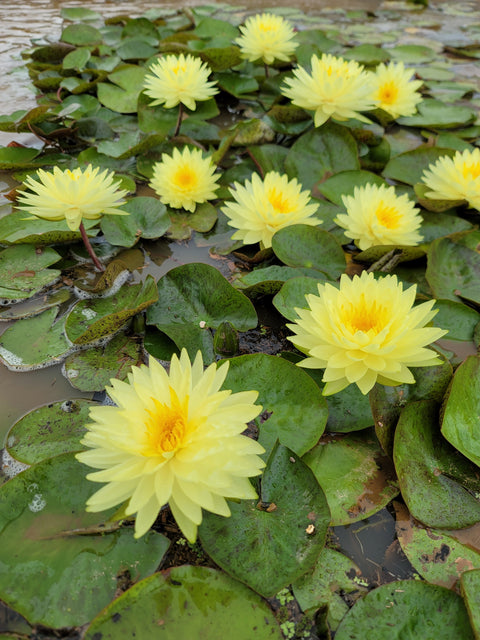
(24, 271)
(187, 602)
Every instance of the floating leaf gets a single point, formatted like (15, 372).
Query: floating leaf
(409, 167)
(294, 410)
(49, 430)
(34, 306)
(437, 483)
(357, 477)
(193, 613)
(77, 59)
(121, 93)
(460, 416)
(16, 157)
(470, 585)
(117, 357)
(148, 219)
(304, 246)
(182, 222)
(18, 228)
(412, 53)
(344, 183)
(293, 294)
(457, 318)
(436, 224)
(90, 320)
(24, 272)
(438, 115)
(435, 613)
(267, 546)
(194, 298)
(437, 556)
(81, 34)
(46, 531)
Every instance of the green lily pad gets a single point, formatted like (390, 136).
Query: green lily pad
(294, 410)
(333, 577)
(18, 228)
(461, 411)
(81, 35)
(267, 546)
(408, 167)
(16, 157)
(90, 320)
(182, 223)
(437, 556)
(77, 59)
(24, 271)
(268, 280)
(388, 402)
(470, 587)
(117, 357)
(437, 483)
(292, 295)
(433, 612)
(438, 115)
(46, 531)
(121, 93)
(194, 298)
(357, 477)
(148, 219)
(35, 342)
(304, 246)
(344, 183)
(453, 267)
(34, 306)
(437, 225)
(457, 318)
(320, 153)
(49, 430)
(237, 84)
(79, 14)
(412, 53)
(184, 602)
(402, 253)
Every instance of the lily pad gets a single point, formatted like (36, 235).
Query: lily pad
(194, 298)
(438, 484)
(24, 271)
(292, 295)
(294, 410)
(34, 306)
(35, 342)
(121, 93)
(117, 357)
(268, 545)
(46, 531)
(304, 246)
(357, 477)
(49, 430)
(470, 586)
(266, 280)
(438, 115)
(433, 612)
(193, 612)
(148, 219)
(344, 183)
(81, 34)
(437, 556)
(182, 223)
(461, 411)
(91, 320)
(18, 228)
(459, 320)
(408, 167)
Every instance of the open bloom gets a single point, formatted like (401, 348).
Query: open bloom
(184, 179)
(72, 195)
(172, 438)
(376, 215)
(268, 37)
(394, 90)
(456, 178)
(336, 88)
(175, 79)
(364, 332)
(262, 207)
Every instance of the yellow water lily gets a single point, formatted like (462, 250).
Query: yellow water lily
(268, 37)
(394, 90)
(456, 178)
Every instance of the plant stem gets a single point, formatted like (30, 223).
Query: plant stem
(179, 121)
(267, 74)
(89, 248)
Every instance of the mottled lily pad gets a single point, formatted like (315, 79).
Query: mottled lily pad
(18, 228)
(408, 167)
(207, 604)
(470, 586)
(292, 295)
(344, 183)
(24, 271)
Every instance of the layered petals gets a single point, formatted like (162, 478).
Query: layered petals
(456, 178)
(268, 37)
(394, 91)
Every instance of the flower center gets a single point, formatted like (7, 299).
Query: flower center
(185, 178)
(166, 426)
(279, 202)
(388, 216)
(388, 93)
(363, 316)
(471, 170)
(265, 27)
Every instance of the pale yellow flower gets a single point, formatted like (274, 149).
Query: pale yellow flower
(174, 79)
(376, 215)
(173, 438)
(336, 88)
(72, 195)
(268, 37)
(365, 331)
(456, 178)
(262, 207)
(394, 90)
(184, 179)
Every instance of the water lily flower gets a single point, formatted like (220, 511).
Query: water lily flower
(172, 438)
(262, 207)
(184, 179)
(377, 216)
(456, 178)
(179, 79)
(365, 331)
(335, 88)
(268, 37)
(72, 195)
(394, 90)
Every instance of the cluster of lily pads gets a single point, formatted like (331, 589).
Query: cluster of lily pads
(271, 569)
